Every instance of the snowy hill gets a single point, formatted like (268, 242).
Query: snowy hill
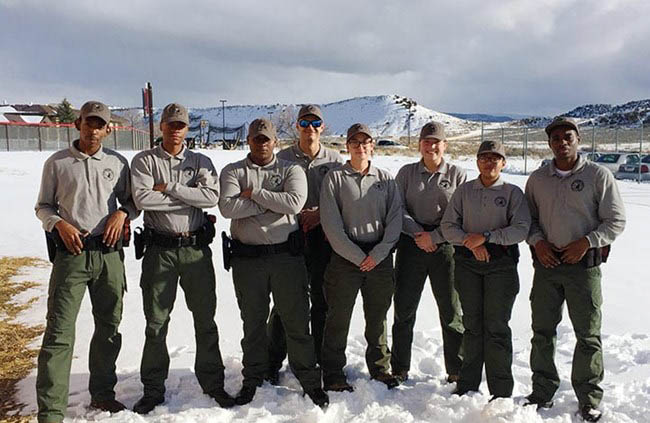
(601, 115)
(385, 114)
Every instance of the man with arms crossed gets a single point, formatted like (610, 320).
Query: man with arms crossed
(173, 185)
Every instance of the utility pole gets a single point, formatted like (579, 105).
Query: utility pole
(640, 151)
(223, 116)
(147, 107)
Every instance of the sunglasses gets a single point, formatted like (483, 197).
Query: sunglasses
(484, 158)
(304, 123)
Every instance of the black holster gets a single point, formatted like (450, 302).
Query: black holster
(51, 243)
(296, 242)
(226, 248)
(139, 242)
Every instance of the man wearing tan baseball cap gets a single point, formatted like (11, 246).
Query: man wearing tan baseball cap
(262, 195)
(174, 185)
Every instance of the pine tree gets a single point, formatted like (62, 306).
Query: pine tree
(64, 112)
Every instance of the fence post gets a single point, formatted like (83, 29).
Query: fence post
(526, 151)
(40, 140)
(481, 131)
(69, 137)
(7, 135)
(616, 138)
(132, 138)
(115, 138)
(593, 137)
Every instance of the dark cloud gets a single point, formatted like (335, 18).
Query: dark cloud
(475, 56)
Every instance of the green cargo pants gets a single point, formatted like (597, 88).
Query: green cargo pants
(580, 288)
(412, 266)
(162, 270)
(317, 255)
(285, 277)
(103, 275)
(343, 281)
(487, 293)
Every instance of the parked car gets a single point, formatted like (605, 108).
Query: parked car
(389, 144)
(613, 161)
(631, 170)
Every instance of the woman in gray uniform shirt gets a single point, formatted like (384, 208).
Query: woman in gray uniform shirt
(485, 220)
(361, 214)
(426, 187)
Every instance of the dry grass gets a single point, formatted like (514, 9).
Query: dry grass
(17, 358)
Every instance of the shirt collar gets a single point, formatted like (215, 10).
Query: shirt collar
(165, 155)
(477, 184)
(577, 168)
(302, 155)
(249, 162)
(442, 169)
(347, 167)
(79, 155)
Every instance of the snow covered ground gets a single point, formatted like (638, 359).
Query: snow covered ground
(425, 397)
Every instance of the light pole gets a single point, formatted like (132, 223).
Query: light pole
(223, 116)
(640, 150)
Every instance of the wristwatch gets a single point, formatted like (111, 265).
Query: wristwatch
(487, 235)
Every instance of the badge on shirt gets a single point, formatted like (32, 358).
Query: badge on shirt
(323, 170)
(444, 184)
(500, 201)
(275, 181)
(577, 185)
(108, 174)
(380, 185)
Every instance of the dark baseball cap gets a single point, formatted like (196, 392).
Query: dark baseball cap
(562, 121)
(175, 112)
(358, 128)
(310, 109)
(433, 130)
(96, 109)
(491, 147)
(262, 126)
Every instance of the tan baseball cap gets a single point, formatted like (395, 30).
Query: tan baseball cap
(433, 130)
(310, 109)
(97, 109)
(175, 112)
(492, 147)
(358, 128)
(262, 126)
(562, 121)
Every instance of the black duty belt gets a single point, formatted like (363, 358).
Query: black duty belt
(366, 247)
(177, 241)
(592, 258)
(429, 228)
(496, 251)
(90, 243)
(239, 249)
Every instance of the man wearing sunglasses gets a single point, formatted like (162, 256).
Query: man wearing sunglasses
(316, 161)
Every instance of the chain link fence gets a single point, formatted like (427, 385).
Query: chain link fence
(52, 137)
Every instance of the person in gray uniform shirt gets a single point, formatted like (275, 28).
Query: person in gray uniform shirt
(426, 187)
(316, 161)
(77, 205)
(485, 220)
(263, 195)
(361, 214)
(577, 212)
(173, 185)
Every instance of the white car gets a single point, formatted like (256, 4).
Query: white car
(613, 161)
(631, 170)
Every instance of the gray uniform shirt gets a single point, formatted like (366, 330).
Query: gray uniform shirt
(426, 195)
(269, 216)
(586, 203)
(474, 208)
(316, 169)
(83, 190)
(360, 208)
(192, 185)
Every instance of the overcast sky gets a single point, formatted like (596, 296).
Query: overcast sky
(490, 56)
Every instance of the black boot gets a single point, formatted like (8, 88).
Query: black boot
(110, 405)
(319, 397)
(245, 395)
(222, 398)
(146, 404)
(590, 414)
